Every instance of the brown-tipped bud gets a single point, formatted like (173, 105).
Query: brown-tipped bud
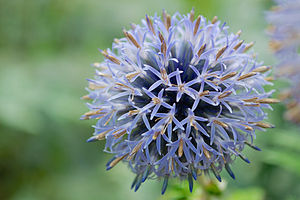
(172, 165)
(206, 153)
(120, 134)
(262, 69)
(263, 125)
(161, 37)
(214, 20)
(133, 112)
(123, 85)
(102, 135)
(116, 161)
(86, 97)
(248, 46)
(229, 75)
(204, 93)
(104, 75)
(225, 94)
(248, 75)
(201, 50)
(135, 150)
(221, 123)
(131, 39)
(254, 99)
(220, 52)
(156, 100)
(238, 45)
(248, 128)
(150, 25)
(108, 120)
(268, 101)
(192, 14)
(99, 66)
(93, 86)
(131, 75)
(269, 78)
(197, 24)
(111, 58)
(163, 47)
(85, 118)
(168, 25)
(180, 148)
(252, 104)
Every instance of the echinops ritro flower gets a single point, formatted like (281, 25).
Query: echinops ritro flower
(284, 31)
(178, 97)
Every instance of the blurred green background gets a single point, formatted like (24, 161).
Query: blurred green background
(46, 48)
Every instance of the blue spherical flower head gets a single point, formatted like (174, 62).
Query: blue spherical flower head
(178, 97)
(284, 31)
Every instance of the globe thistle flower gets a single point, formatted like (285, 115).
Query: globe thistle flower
(284, 31)
(178, 96)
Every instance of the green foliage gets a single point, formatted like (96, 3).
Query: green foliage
(284, 150)
(248, 193)
(205, 188)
